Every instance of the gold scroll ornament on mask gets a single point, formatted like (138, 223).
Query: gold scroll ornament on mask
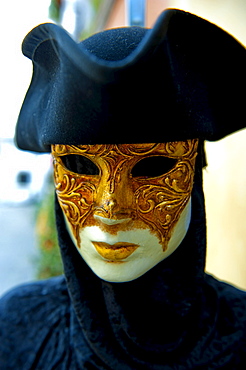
(113, 193)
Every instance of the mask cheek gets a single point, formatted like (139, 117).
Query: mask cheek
(179, 231)
(76, 196)
(70, 229)
(161, 210)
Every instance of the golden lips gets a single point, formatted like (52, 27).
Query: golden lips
(115, 252)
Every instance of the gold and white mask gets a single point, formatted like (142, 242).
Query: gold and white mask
(127, 207)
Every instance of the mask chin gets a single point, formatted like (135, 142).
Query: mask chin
(148, 253)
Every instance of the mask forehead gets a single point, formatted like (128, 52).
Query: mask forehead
(173, 149)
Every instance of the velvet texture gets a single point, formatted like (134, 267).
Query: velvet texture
(173, 317)
(186, 76)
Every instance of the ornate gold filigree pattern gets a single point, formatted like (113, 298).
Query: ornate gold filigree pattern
(157, 202)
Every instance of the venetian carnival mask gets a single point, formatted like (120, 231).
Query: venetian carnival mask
(127, 207)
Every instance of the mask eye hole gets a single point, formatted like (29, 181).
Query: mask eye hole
(153, 166)
(80, 164)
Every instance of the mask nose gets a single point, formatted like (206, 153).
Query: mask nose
(114, 203)
(112, 210)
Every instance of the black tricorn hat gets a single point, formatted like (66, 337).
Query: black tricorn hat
(183, 79)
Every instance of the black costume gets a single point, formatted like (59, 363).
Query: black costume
(175, 316)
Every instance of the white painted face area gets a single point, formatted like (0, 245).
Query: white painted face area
(134, 252)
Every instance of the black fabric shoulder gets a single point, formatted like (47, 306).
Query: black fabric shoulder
(31, 317)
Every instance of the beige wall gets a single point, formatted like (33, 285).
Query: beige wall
(225, 190)
(225, 176)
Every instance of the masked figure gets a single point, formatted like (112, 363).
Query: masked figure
(125, 114)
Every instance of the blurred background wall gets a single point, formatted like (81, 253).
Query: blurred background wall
(224, 178)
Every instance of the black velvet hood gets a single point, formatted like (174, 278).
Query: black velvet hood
(185, 78)
(174, 317)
